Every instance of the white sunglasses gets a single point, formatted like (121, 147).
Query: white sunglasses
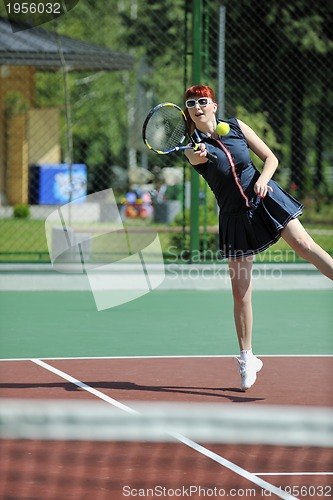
(202, 101)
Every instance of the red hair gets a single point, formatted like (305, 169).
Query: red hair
(197, 91)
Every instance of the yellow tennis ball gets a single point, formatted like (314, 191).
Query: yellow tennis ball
(222, 128)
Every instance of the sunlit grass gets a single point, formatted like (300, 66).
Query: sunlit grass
(25, 240)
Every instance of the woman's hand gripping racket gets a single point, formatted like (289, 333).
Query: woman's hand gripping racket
(165, 130)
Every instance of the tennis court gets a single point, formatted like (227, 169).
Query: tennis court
(174, 347)
(105, 397)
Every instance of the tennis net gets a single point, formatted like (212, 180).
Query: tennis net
(65, 450)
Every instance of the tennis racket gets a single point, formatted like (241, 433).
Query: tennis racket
(165, 130)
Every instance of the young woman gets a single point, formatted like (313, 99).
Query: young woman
(254, 210)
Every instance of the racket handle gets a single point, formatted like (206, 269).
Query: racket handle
(210, 156)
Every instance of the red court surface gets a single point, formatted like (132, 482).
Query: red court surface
(166, 470)
(283, 380)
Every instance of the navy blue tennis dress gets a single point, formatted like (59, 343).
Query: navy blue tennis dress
(247, 223)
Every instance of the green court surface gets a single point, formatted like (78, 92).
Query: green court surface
(162, 323)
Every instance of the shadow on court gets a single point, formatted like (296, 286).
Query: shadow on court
(131, 386)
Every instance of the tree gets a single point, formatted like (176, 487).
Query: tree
(278, 54)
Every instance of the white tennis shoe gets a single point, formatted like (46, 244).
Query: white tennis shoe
(248, 371)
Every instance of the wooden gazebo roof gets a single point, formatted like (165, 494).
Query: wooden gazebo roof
(44, 50)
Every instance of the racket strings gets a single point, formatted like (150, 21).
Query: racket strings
(165, 129)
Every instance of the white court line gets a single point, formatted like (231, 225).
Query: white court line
(179, 437)
(180, 356)
(84, 386)
(293, 473)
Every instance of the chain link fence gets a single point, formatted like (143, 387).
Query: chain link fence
(74, 93)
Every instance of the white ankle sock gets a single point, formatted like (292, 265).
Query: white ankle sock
(246, 354)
